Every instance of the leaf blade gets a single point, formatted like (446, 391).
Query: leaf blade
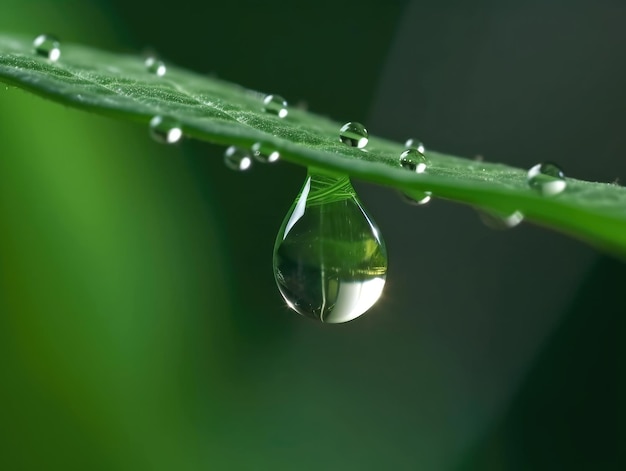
(223, 113)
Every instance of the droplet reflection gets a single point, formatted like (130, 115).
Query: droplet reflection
(330, 261)
(275, 104)
(238, 159)
(155, 66)
(547, 178)
(165, 129)
(48, 46)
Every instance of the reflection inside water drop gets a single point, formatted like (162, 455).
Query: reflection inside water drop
(275, 104)
(155, 66)
(354, 134)
(165, 129)
(413, 160)
(417, 198)
(330, 261)
(47, 45)
(415, 143)
(237, 158)
(263, 154)
(500, 221)
(547, 178)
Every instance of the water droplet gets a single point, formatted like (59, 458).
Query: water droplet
(165, 129)
(330, 261)
(412, 159)
(237, 158)
(155, 66)
(415, 143)
(354, 135)
(47, 45)
(547, 178)
(417, 198)
(264, 155)
(275, 104)
(500, 221)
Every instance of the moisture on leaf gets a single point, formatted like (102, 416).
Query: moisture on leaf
(216, 111)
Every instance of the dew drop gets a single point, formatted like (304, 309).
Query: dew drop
(48, 46)
(547, 178)
(415, 143)
(264, 155)
(413, 160)
(417, 198)
(500, 221)
(275, 104)
(330, 261)
(237, 158)
(354, 134)
(155, 66)
(165, 129)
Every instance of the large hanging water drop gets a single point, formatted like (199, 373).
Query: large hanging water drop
(354, 134)
(547, 178)
(48, 46)
(330, 261)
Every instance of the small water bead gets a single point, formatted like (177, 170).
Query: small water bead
(275, 104)
(330, 261)
(417, 198)
(415, 143)
(165, 129)
(413, 160)
(547, 178)
(155, 66)
(500, 221)
(354, 134)
(237, 158)
(47, 45)
(264, 155)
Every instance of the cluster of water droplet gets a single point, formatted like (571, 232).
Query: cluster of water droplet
(330, 260)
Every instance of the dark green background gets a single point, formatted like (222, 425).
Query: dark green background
(140, 326)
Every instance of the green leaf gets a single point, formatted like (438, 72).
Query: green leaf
(223, 113)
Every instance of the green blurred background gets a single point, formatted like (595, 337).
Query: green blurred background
(140, 326)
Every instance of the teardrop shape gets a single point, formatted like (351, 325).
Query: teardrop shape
(330, 260)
